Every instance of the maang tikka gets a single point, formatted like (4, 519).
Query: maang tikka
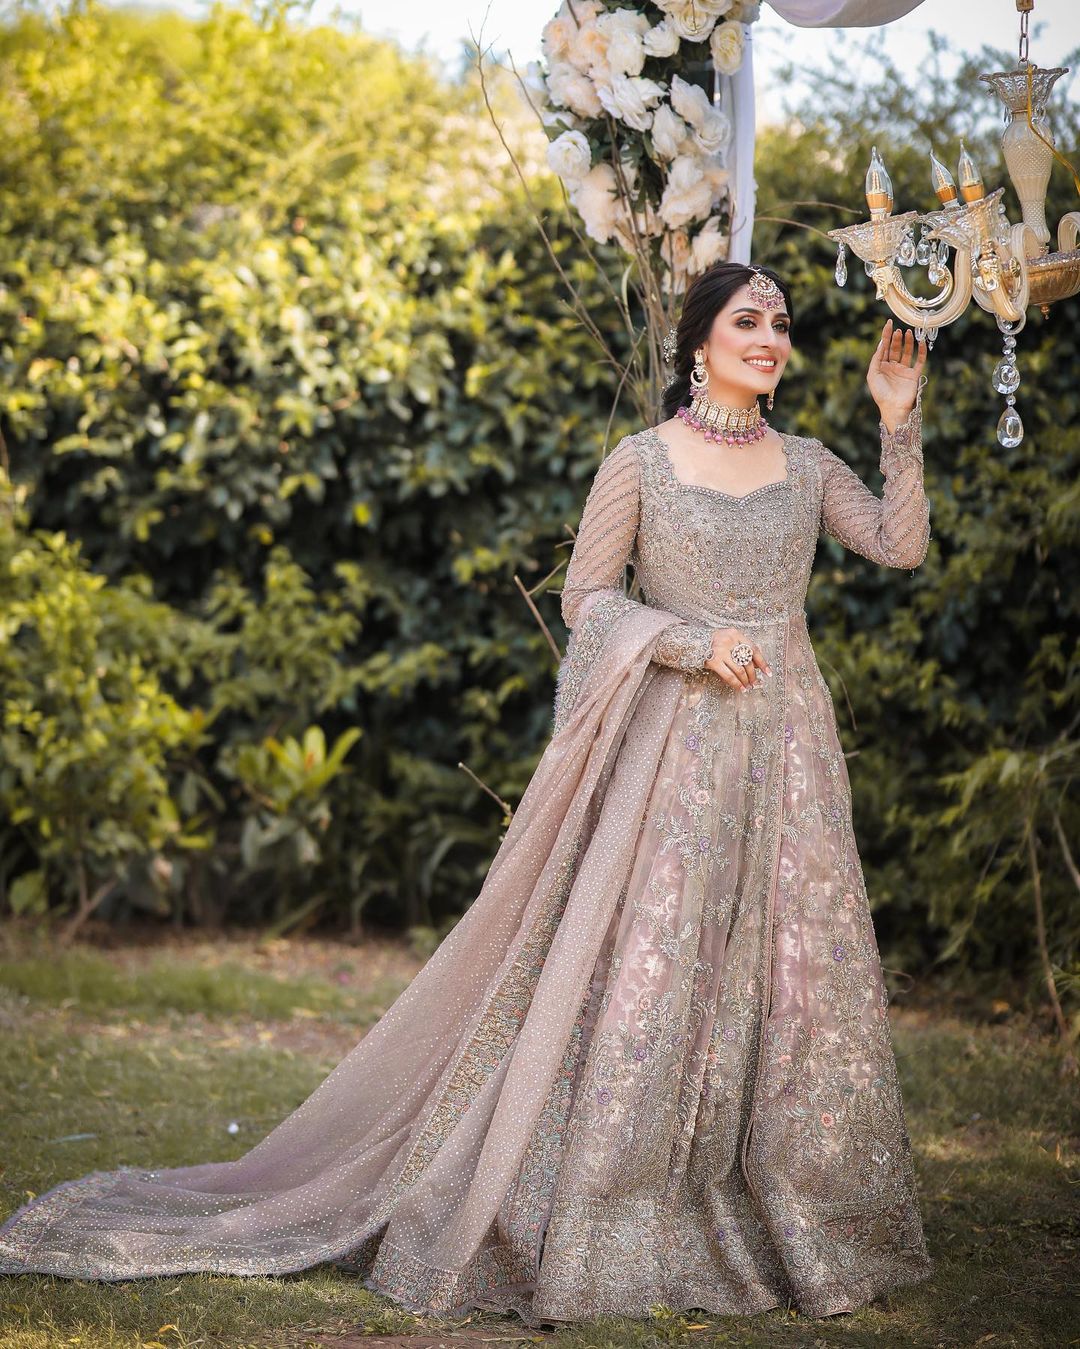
(764, 291)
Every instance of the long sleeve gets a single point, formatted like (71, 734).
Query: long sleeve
(893, 529)
(605, 539)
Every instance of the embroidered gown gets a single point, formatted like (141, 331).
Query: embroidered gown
(652, 1061)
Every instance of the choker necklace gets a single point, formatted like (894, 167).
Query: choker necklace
(734, 426)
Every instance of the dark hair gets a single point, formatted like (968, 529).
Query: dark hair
(706, 295)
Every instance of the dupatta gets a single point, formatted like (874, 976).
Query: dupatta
(398, 1164)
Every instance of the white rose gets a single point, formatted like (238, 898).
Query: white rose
(628, 172)
(561, 118)
(560, 34)
(569, 156)
(594, 198)
(556, 35)
(713, 133)
(569, 88)
(624, 30)
(589, 50)
(629, 99)
(669, 132)
(715, 175)
(661, 40)
(726, 45)
(708, 246)
(690, 101)
(646, 224)
(688, 193)
(628, 19)
(676, 250)
(694, 19)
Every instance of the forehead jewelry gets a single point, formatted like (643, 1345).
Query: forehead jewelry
(764, 290)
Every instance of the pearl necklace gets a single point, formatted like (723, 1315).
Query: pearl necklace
(734, 426)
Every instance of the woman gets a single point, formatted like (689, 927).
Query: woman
(652, 1062)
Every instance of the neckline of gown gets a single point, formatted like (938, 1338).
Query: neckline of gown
(669, 469)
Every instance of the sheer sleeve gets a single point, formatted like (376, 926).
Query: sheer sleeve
(893, 529)
(605, 538)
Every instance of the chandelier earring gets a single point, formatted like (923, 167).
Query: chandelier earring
(769, 401)
(699, 376)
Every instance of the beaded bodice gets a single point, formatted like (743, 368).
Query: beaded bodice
(710, 556)
(717, 560)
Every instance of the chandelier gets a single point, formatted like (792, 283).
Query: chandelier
(1006, 268)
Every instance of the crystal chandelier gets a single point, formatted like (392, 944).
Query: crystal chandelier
(1004, 267)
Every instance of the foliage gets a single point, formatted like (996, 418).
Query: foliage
(88, 730)
(282, 354)
(298, 371)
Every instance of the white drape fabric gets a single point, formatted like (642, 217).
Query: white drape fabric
(737, 101)
(737, 97)
(843, 13)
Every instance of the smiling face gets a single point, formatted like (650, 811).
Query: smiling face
(747, 350)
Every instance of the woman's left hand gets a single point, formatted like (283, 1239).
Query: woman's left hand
(892, 379)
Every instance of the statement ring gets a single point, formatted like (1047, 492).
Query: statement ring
(742, 653)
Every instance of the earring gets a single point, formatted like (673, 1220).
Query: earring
(699, 376)
(770, 399)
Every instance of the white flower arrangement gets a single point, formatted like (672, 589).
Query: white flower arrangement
(641, 150)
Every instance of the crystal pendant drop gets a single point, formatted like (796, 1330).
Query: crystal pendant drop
(841, 266)
(1010, 429)
(923, 252)
(907, 252)
(1006, 377)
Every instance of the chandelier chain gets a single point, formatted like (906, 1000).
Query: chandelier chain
(1024, 8)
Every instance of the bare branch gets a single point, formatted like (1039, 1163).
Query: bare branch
(580, 309)
(1070, 862)
(851, 710)
(484, 787)
(537, 615)
(1069, 1064)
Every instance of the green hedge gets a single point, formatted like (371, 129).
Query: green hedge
(283, 355)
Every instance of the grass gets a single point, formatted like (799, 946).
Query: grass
(92, 983)
(146, 1058)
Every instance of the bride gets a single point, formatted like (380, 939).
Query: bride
(652, 1061)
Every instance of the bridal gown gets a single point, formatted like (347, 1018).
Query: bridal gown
(652, 1062)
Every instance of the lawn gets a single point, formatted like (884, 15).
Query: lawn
(192, 1052)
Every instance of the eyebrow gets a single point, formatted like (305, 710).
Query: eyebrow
(784, 315)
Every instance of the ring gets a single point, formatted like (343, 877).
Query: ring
(742, 653)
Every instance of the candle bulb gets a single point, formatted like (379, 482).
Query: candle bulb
(971, 183)
(879, 188)
(942, 180)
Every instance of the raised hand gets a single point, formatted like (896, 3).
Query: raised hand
(893, 380)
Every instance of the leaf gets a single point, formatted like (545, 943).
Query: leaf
(28, 893)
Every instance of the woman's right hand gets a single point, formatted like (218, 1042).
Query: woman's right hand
(721, 662)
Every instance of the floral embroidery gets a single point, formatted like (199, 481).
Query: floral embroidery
(723, 1126)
